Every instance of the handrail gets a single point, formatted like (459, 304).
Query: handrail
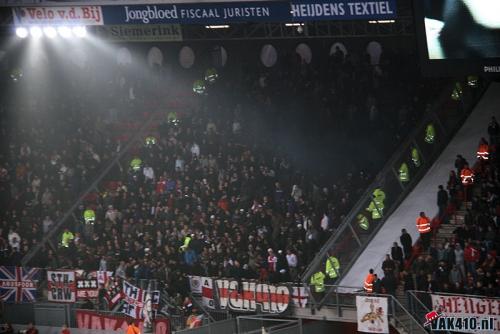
(367, 194)
(202, 308)
(424, 307)
(431, 116)
(408, 313)
(36, 248)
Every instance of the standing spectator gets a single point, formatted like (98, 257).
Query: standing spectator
(272, 260)
(471, 257)
(459, 259)
(388, 265)
(407, 243)
(291, 258)
(442, 201)
(377, 284)
(397, 254)
(390, 283)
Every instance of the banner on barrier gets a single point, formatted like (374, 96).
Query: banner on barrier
(135, 301)
(93, 320)
(70, 15)
(86, 289)
(18, 284)
(195, 284)
(207, 292)
(141, 33)
(260, 11)
(372, 314)
(481, 309)
(252, 296)
(61, 286)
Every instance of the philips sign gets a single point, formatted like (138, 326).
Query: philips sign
(492, 69)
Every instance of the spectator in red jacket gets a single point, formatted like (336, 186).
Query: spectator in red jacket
(471, 257)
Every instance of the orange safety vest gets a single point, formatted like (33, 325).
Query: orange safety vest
(423, 225)
(369, 283)
(133, 329)
(483, 152)
(467, 176)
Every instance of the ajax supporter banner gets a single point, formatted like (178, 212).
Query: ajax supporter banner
(247, 297)
(138, 301)
(87, 289)
(93, 320)
(71, 15)
(372, 314)
(61, 286)
(463, 306)
(141, 33)
(257, 11)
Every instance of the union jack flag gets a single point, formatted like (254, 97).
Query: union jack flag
(18, 284)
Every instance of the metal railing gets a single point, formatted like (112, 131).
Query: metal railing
(399, 316)
(349, 240)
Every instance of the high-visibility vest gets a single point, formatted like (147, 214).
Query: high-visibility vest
(199, 87)
(376, 210)
(187, 240)
(318, 281)
(457, 92)
(363, 221)
(172, 117)
(66, 238)
(467, 176)
(150, 141)
(211, 75)
(472, 80)
(415, 157)
(483, 152)
(430, 134)
(404, 173)
(423, 225)
(379, 197)
(89, 216)
(135, 164)
(368, 285)
(332, 267)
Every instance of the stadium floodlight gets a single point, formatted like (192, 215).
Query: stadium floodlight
(22, 32)
(64, 32)
(50, 32)
(36, 32)
(80, 31)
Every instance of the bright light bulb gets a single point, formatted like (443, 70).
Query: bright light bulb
(80, 31)
(50, 32)
(36, 32)
(65, 32)
(22, 32)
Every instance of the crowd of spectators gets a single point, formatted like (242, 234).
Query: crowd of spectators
(249, 184)
(468, 262)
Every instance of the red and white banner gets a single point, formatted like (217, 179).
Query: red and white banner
(61, 286)
(207, 292)
(86, 289)
(300, 296)
(463, 306)
(94, 320)
(372, 314)
(252, 296)
(70, 15)
(103, 277)
(135, 301)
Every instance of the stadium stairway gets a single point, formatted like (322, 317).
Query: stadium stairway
(423, 195)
